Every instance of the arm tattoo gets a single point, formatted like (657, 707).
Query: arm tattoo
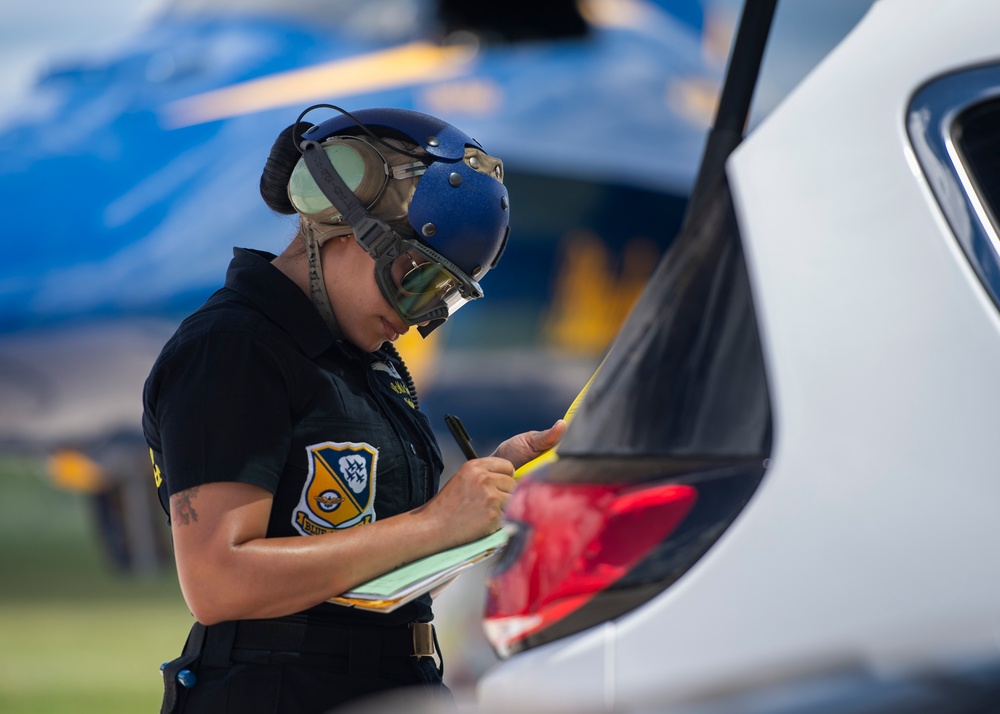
(181, 507)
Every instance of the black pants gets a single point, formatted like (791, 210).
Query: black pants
(258, 667)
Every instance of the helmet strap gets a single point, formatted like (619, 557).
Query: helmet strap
(317, 286)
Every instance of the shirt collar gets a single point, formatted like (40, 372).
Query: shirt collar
(252, 275)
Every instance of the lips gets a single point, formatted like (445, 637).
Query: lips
(392, 332)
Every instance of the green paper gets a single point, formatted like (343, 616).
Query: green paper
(397, 587)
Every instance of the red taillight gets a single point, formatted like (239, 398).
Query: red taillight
(576, 540)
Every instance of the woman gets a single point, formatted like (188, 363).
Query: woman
(280, 410)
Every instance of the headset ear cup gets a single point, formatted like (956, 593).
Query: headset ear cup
(360, 166)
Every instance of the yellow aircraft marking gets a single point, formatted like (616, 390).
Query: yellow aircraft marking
(591, 296)
(73, 471)
(421, 355)
(414, 63)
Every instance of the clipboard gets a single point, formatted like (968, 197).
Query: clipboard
(427, 575)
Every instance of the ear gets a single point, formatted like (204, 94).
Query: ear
(340, 245)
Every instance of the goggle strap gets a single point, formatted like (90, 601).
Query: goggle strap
(374, 235)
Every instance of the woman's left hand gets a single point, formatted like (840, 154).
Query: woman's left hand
(525, 447)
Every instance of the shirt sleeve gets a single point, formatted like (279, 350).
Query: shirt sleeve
(222, 412)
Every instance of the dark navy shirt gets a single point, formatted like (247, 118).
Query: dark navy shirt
(254, 388)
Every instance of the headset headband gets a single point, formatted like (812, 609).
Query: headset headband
(435, 136)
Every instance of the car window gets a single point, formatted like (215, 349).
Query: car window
(977, 134)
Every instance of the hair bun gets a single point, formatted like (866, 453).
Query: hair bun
(278, 169)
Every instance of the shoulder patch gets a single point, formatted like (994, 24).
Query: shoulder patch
(339, 491)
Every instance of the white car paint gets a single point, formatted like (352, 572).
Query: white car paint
(867, 543)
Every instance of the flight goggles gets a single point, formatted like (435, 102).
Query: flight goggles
(421, 285)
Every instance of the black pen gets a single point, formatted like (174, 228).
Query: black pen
(461, 435)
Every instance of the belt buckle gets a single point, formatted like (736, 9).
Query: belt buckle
(423, 639)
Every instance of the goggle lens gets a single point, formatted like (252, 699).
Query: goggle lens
(426, 278)
(424, 285)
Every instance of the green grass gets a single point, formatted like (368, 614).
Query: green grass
(74, 636)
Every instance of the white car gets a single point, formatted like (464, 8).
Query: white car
(789, 462)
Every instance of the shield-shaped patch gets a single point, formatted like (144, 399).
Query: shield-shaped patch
(339, 491)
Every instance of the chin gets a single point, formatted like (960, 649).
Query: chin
(375, 343)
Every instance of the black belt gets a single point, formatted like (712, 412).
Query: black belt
(413, 640)
(363, 649)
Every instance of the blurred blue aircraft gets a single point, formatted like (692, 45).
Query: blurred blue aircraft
(127, 181)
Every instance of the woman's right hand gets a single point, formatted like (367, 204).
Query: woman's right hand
(470, 505)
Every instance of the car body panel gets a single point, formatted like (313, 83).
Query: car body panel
(862, 548)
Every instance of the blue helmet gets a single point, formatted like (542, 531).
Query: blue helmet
(412, 189)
